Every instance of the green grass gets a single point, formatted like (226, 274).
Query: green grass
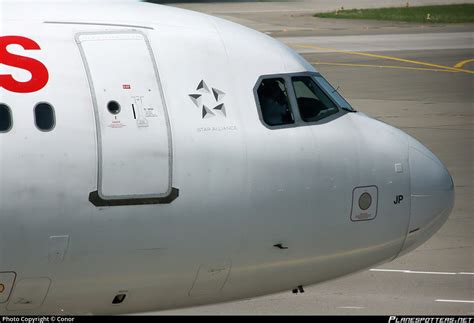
(458, 13)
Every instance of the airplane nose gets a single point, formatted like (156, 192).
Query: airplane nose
(432, 195)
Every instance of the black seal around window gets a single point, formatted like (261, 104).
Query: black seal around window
(45, 119)
(5, 118)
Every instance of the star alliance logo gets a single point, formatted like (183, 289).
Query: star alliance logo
(209, 101)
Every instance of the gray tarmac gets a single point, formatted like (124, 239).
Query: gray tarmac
(405, 75)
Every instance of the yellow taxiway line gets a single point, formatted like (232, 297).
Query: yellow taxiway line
(386, 66)
(462, 63)
(387, 58)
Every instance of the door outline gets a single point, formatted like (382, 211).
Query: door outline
(96, 197)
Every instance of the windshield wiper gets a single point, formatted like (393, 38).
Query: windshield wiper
(344, 108)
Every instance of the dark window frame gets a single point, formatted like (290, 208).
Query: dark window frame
(53, 112)
(293, 103)
(10, 112)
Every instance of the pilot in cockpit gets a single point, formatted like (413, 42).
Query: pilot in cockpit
(274, 102)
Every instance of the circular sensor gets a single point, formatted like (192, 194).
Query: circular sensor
(113, 107)
(365, 201)
(2, 288)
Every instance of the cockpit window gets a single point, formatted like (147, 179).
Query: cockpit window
(313, 103)
(333, 93)
(274, 102)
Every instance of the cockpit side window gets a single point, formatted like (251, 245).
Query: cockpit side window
(313, 103)
(274, 102)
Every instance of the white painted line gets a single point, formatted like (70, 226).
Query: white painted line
(454, 301)
(351, 307)
(466, 273)
(391, 270)
(415, 272)
(431, 272)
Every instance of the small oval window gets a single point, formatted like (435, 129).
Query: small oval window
(113, 107)
(365, 201)
(44, 117)
(5, 118)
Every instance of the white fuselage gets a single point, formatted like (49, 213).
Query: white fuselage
(172, 208)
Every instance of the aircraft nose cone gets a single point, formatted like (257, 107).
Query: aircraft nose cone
(432, 195)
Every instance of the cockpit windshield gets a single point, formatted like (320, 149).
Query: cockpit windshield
(333, 93)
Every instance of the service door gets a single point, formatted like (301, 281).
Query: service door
(133, 130)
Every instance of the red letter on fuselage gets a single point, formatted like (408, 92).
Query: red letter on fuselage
(39, 72)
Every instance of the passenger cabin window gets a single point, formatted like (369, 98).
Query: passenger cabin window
(5, 118)
(274, 102)
(44, 117)
(313, 103)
